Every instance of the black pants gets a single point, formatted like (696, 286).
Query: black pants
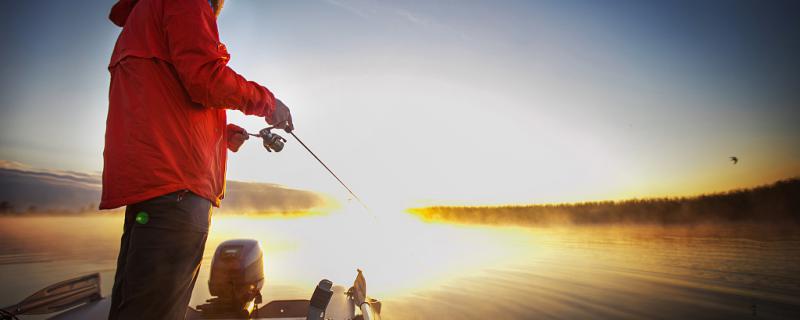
(159, 257)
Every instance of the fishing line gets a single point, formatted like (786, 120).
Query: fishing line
(331, 171)
(274, 142)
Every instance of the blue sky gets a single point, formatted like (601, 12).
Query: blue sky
(456, 101)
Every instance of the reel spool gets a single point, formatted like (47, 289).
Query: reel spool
(272, 141)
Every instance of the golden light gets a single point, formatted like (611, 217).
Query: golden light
(397, 252)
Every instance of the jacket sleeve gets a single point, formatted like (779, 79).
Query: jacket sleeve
(201, 61)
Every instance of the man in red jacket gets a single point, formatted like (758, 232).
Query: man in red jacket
(165, 148)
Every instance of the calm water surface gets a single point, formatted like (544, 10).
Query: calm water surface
(441, 271)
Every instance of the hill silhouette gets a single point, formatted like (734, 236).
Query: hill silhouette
(27, 190)
(777, 203)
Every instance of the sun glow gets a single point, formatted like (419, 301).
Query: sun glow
(397, 252)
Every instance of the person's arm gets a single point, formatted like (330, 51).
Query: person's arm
(201, 61)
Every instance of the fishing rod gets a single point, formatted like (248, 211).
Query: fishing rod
(274, 142)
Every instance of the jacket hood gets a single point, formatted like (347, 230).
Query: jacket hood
(121, 10)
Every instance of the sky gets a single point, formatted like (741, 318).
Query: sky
(455, 102)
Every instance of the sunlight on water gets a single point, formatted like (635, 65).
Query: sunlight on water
(397, 252)
(423, 270)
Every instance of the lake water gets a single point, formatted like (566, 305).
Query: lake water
(443, 271)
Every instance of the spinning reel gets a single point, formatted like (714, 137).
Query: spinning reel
(272, 141)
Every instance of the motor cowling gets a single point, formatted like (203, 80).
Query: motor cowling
(237, 271)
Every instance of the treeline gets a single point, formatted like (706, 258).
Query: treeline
(777, 203)
(8, 208)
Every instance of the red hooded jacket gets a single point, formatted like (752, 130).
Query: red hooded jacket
(170, 86)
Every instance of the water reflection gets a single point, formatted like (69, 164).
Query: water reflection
(423, 270)
(398, 253)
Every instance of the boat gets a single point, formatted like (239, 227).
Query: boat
(235, 283)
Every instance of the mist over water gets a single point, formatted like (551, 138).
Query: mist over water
(447, 271)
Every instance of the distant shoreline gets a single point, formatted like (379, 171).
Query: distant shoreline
(777, 203)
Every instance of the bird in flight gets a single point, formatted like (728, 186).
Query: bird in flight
(735, 160)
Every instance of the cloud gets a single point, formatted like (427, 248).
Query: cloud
(43, 190)
(369, 9)
(350, 6)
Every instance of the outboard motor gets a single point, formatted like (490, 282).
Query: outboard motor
(237, 276)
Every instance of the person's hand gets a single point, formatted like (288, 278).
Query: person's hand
(281, 118)
(236, 137)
